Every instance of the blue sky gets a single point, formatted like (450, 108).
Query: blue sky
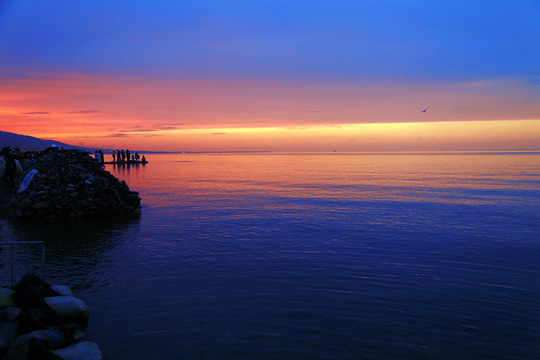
(330, 41)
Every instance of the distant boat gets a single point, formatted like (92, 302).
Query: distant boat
(424, 110)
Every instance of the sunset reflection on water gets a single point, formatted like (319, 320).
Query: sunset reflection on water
(329, 255)
(462, 178)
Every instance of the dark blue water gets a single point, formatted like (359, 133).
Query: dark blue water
(296, 256)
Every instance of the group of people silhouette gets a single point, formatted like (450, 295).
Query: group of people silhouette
(122, 156)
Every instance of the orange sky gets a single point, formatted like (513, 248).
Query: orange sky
(179, 115)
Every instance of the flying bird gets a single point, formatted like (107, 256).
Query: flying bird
(424, 110)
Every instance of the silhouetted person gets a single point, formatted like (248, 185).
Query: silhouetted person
(113, 156)
(127, 155)
(11, 166)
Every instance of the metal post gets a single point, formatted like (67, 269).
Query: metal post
(12, 257)
(42, 260)
(11, 265)
(29, 256)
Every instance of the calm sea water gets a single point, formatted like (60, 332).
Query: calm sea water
(312, 256)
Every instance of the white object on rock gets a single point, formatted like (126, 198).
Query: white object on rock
(63, 290)
(27, 180)
(71, 308)
(84, 350)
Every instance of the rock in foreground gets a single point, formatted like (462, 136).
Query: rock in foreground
(69, 184)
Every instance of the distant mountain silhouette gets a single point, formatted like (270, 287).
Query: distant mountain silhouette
(25, 142)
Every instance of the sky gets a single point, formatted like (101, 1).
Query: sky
(273, 75)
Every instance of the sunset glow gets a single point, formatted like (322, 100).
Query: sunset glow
(271, 179)
(274, 98)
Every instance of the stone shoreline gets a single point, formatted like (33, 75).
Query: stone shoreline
(69, 184)
(41, 321)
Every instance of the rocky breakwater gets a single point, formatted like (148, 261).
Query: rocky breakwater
(69, 184)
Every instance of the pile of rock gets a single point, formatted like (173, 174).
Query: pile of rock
(69, 184)
(41, 321)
